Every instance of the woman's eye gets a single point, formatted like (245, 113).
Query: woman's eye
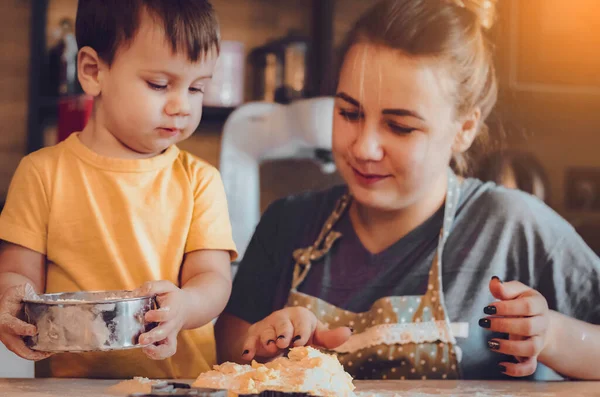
(399, 129)
(350, 115)
(195, 90)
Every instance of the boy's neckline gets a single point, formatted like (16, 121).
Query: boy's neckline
(118, 164)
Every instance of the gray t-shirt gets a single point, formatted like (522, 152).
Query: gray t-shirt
(497, 232)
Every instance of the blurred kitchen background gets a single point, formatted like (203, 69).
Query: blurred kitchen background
(283, 51)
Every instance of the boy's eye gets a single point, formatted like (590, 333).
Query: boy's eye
(157, 87)
(195, 90)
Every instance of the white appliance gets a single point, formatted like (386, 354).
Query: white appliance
(260, 131)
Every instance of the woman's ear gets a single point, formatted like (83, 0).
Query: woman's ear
(468, 131)
(90, 69)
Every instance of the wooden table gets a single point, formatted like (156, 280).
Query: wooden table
(98, 388)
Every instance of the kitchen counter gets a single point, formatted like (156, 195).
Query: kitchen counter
(98, 388)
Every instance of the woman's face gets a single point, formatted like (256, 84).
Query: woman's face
(394, 126)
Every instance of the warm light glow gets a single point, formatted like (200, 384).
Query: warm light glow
(559, 41)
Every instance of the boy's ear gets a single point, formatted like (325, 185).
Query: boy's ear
(90, 69)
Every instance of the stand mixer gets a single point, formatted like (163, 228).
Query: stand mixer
(262, 131)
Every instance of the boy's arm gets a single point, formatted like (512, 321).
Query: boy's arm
(205, 288)
(19, 266)
(201, 296)
(206, 277)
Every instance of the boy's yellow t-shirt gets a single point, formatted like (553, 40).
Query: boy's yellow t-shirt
(113, 224)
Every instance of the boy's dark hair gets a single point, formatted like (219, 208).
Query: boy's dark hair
(106, 25)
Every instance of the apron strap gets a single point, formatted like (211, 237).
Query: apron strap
(327, 237)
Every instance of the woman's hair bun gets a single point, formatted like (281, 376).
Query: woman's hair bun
(484, 10)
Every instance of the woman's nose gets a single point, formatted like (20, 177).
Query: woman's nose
(367, 146)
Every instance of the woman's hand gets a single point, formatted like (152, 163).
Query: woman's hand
(161, 342)
(290, 327)
(12, 330)
(523, 313)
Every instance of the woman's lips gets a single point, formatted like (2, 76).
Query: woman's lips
(368, 179)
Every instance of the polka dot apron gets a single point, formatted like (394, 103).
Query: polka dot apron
(399, 337)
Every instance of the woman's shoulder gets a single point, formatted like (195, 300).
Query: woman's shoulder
(300, 216)
(498, 211)
(308, 204)
(514, 235)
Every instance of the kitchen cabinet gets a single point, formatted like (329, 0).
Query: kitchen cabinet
(314, 17)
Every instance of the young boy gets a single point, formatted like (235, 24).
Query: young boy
(118, 204)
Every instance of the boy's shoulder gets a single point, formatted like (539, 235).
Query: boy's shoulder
(192, 161)
(195, 167)
(45, 159)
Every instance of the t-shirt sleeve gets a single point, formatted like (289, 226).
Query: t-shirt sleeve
(570, 280)
(24, 219)
(210, 227)
(258, 277)
(546, 253)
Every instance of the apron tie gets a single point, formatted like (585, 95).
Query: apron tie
(304, 257)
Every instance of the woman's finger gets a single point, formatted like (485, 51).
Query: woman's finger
(525, 306)
(330, 339)
(508, 290)
(284, 330)
(268, 340)
(530, 347)
(522, 326)
(303, 330)
(519, 370)
(250, 346)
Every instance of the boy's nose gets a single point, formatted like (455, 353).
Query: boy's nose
(178, 106)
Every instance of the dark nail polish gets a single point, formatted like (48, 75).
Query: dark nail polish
(280, 337)
(245, 352)
(492, 344)
(296, 338)
(502, 368)
(491, 310)
(484, 323)
(270, 341)
(496, 278)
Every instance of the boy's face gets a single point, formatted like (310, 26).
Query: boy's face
(152, 98)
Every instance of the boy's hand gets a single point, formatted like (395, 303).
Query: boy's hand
(12, 329)
(523, 313)
(161, 342)
(290, 327)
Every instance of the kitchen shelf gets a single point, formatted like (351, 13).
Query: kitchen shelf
(43, 110)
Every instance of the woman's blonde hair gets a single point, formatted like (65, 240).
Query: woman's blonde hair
(453, 31)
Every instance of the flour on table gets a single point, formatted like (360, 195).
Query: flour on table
(306, 370)
(135, 385)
